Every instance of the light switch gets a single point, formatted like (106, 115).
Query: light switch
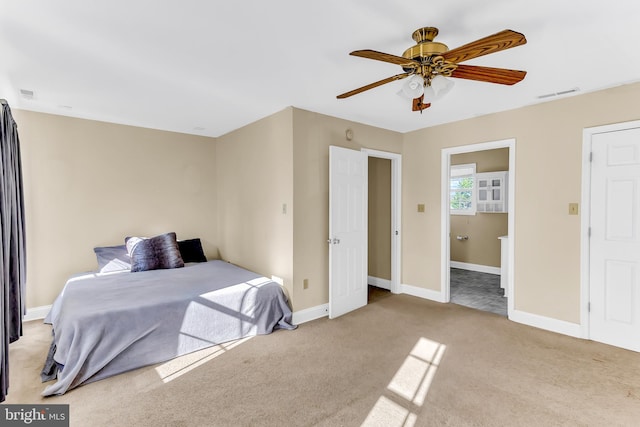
(573, 209)
(421, 207)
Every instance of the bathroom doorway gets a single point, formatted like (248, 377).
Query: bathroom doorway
(478, 236)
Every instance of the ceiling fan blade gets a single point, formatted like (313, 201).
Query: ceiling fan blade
(386, 57)
(501, 76)
(500, 41)
(372, 85)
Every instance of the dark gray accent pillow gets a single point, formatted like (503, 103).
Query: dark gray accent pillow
(154, 253)
(191, 250)
(112, 258)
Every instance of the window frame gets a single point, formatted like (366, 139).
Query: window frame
(453, 175)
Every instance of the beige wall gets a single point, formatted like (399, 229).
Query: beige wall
(284, 159)
(90, 183)
(483, 229)
(313, 133)
(254, 182)
(379, 235)
(548, 177)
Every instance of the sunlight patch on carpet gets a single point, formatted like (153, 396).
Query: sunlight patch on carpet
(388, 413)
(413, 379)
(179, 366)
(408, 387)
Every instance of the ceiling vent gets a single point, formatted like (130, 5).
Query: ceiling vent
(27, 94)
(562, 92)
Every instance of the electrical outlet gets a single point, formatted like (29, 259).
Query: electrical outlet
(421, 207)
(305, 284)
(573, 209)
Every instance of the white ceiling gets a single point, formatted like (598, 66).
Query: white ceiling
(209, 67)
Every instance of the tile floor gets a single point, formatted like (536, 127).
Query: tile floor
(481, 291)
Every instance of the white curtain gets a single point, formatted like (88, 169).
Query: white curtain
(12, 242)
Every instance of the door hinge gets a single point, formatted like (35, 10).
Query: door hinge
(591, 156)
(589, 307)
(589, 232)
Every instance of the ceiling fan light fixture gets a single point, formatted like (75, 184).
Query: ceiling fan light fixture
(441, 85)
(429, 95)
(413, 87)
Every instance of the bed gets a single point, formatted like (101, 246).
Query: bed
(106, 323)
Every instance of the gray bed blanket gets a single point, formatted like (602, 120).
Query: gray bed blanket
(106, 324)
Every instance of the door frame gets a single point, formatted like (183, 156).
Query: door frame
(445, 223)
(396, 213)
(585, 217)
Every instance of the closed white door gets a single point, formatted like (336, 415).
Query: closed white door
(614, 276)
(347, 230)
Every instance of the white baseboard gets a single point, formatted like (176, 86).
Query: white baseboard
(429, 294)
(475, 267)
(379, 283)
(37, 313)
(529, 319)
(309, 314)
(546, 323)
(317, 312)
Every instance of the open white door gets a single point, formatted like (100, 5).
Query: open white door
(614, 262)
(347, 230)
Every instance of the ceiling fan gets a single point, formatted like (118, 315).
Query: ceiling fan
(428, 63)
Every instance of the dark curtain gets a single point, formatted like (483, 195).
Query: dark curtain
(12, 242)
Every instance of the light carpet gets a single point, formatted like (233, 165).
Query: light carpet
(399, 361)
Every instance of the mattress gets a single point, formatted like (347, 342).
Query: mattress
(108, 323)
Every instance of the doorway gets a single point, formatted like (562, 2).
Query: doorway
(505, 272)
(392, 161)
(379, 227)
(478, 226)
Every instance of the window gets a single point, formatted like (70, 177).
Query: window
(462, 198)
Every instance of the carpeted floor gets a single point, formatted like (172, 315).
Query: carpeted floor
(399, 361)
(477, 290)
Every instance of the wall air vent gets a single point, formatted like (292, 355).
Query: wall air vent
(560, 93)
